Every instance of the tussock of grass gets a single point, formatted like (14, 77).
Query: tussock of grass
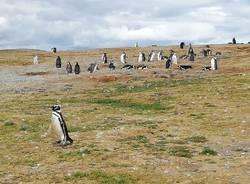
(197, 115)
(30, 162)
(8, 123)
(208, 152)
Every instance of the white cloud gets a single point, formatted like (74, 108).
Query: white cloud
(111, 23)
(3, 24)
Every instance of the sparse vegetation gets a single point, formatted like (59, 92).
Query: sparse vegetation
(102, 177)
(152, 126)
(137, 106)
(197, 139)
(180, 151)
(208, 152)
(9, 123)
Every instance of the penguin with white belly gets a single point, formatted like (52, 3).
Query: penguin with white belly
(59, 127)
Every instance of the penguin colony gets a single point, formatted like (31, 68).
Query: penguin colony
(58, 126)
(170, 60)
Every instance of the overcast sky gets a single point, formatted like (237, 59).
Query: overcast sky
(71, 24)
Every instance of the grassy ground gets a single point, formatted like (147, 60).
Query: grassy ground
(154, 126)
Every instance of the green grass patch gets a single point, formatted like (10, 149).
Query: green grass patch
(101, 177)
(208, 152)
(138, 106)
(30, 163)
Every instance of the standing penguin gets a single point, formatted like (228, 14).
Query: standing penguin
(59, 127)
(168, 63)
(105, 58)
(191, 54)
(58, 62)
(160, 56)
(174, 59)
(124, 58)
(214, 63)
(77, 69)
(112, 65)
(35, 60)
(234, 40)
(152, 56)
(182, 45)
(69, 68)
(141, 57)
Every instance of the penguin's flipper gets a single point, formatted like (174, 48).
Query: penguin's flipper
(67, 140)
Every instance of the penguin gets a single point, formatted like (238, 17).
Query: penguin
(209, 52)
(214, 63)
(152, 56)
(53, 50)
(234, 41)
(168, 63)
(182, 44)
(128, 67)
(185, 67)
(58, 62)
(124, 58)
(35, 60)
(204, 52)
(69, 68)
(77, 69)
(112, 65)
(93, 67)
(59, 126)
(191, 54)
(141, 67)
(174, 59)
(105, 58)
(141, 57)
(160, 56)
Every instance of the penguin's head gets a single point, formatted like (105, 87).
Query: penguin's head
(56, 108)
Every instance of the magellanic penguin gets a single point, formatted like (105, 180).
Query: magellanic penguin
(59, 127)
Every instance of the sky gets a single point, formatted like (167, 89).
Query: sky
(79, 24)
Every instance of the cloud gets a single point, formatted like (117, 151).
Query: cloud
(111, 23)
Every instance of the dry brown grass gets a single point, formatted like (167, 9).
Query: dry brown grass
(151, 126)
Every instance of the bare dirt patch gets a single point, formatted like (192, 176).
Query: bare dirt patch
(36, 73)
